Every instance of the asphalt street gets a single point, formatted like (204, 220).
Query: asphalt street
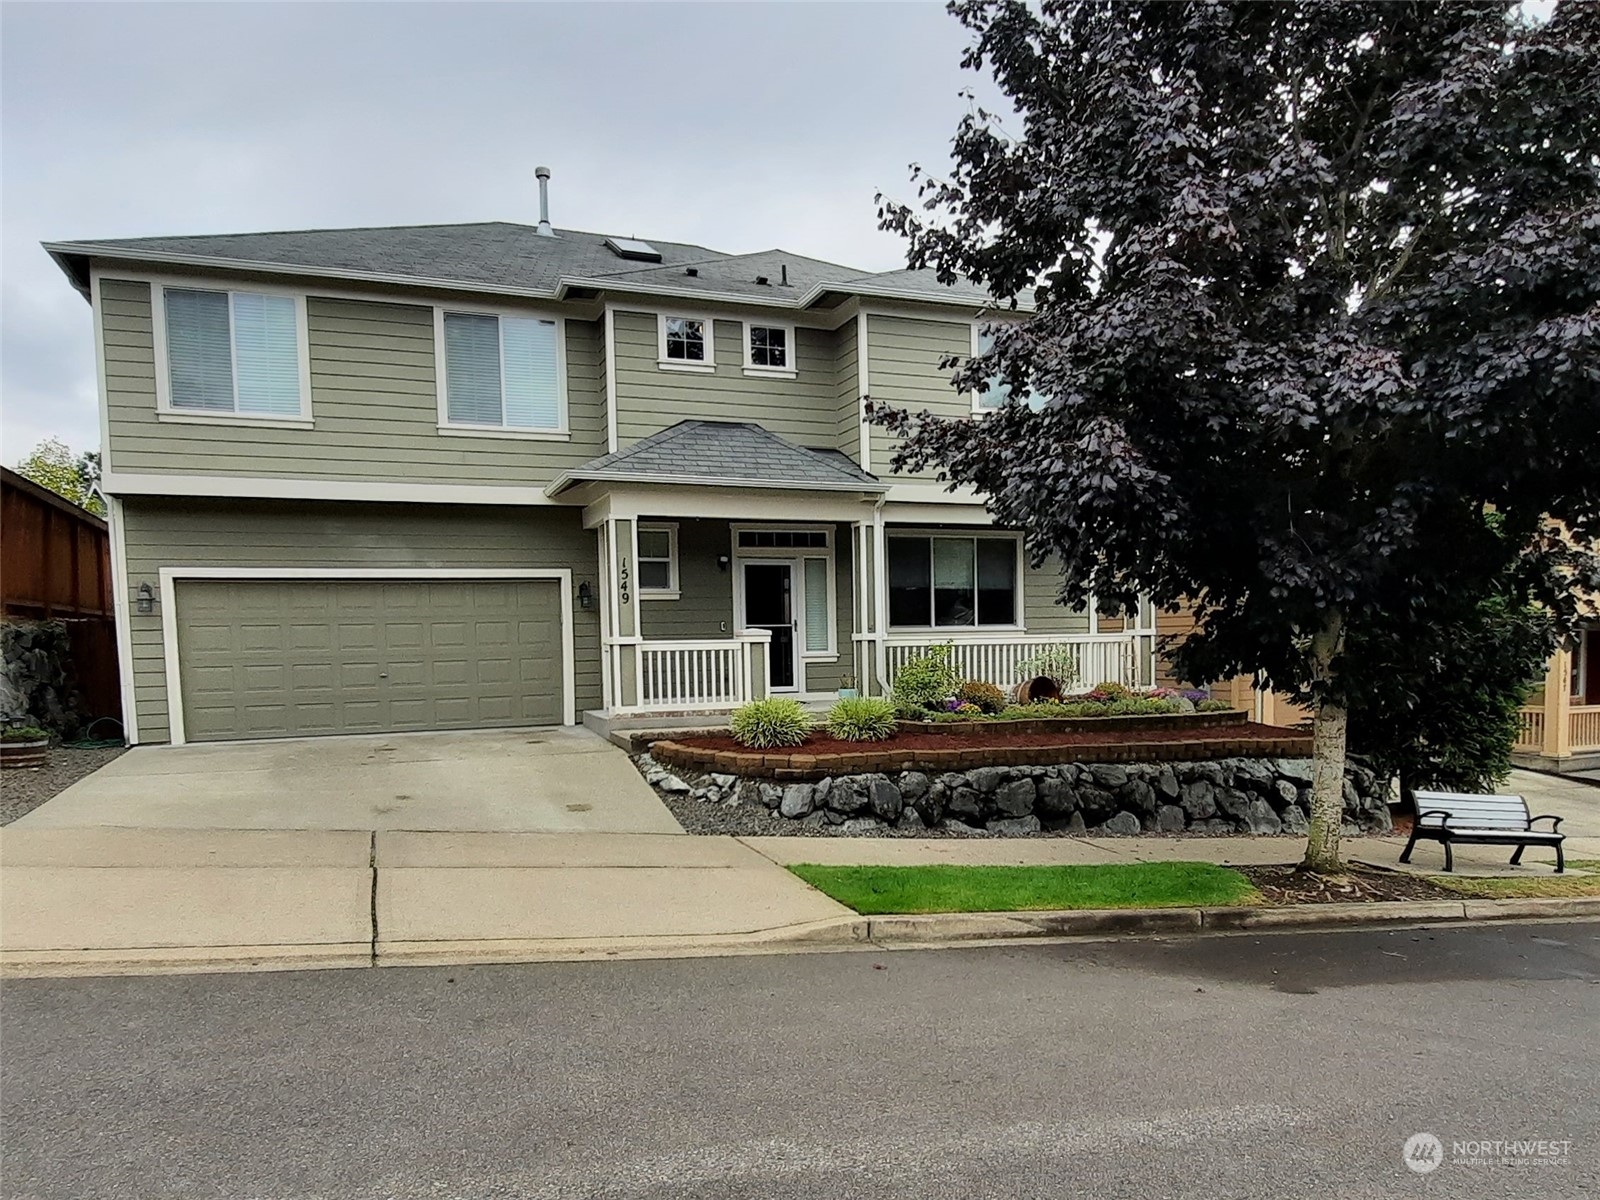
(1281, 1066)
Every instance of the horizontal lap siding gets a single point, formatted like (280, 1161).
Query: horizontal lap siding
(1040, 611)
(848, 391)
(903, 371)
(649, 399)
(219, 533)
(374, 404)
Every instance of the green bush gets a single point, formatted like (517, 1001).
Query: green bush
(927, 680)
(766, 724)
(1110, 692)
(1212, 706)
(25, 733)
(1058, 662)
(862, 719)
(983, 695)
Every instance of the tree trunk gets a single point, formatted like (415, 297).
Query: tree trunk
(1327, 751)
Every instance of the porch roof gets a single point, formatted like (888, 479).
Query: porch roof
(723, 454)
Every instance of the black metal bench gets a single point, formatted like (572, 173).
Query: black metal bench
(1450, 818)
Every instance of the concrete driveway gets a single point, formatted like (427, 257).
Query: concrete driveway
(522, 781)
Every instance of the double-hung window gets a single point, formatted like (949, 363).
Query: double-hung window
(769, 349)
(502, 373)
(952, 582)
(686, 343)
(233, 354)
(658, 562)
(999, 393)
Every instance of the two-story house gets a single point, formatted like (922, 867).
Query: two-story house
(459, 476)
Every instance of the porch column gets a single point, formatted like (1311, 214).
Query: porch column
(619, 593)
(1558, 705)
(866, 542)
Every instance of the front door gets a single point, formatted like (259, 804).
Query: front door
(769, 604)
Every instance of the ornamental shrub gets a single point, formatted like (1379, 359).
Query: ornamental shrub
(766, 724)
(985, 695)
(1212, 706)
(1110, 692)
(1058, 662)
(862, 719)
(926, 680)
(25, 733)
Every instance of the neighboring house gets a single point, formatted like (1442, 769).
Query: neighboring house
(455, 476)
(1561, 722)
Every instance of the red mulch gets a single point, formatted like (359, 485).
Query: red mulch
(979, 737)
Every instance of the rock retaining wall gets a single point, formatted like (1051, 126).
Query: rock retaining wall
(1220, 796)
(37, 685)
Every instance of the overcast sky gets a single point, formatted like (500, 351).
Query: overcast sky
(739, 126)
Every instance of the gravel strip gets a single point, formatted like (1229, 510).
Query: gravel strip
(23, 789)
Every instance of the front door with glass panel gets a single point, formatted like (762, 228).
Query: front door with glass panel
(769, 604)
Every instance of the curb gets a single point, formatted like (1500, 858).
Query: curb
(937, 928)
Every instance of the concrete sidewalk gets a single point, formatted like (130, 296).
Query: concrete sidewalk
(100, 901)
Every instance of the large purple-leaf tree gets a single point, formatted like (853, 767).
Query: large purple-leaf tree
(1305, 291)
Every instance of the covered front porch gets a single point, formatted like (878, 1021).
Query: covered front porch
(1560, 727)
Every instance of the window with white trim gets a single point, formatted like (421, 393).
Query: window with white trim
(658, 560)
(769, 349)
(999, 393)
(938, 581)
(233, 353)
(686, 341)
(502, 372)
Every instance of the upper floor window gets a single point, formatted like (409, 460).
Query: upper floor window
(686, 343)
(999, 393)
(768, 349)
(502, 372)
(233, 354)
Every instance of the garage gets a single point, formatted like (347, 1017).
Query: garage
(269, 658)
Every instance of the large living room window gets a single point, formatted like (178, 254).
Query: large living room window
(937, 581)
(233, 355)
(502, 373)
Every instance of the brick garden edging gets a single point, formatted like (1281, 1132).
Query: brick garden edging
(1033, 725)
(799, 765)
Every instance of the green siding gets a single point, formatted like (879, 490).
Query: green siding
(374, 404)
(848, 391)
(903, 356)
(649, 399)
(234, 533)
(1040, 612)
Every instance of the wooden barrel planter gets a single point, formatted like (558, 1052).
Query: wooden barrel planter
(1041, 687)
(24, 754)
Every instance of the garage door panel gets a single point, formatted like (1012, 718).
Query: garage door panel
(286, 658)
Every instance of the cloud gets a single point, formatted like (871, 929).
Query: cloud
(741, 127)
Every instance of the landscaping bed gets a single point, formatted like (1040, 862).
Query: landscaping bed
(986, 744)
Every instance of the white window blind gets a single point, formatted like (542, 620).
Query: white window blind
(502, 372)
(232, 352)
(816, 593)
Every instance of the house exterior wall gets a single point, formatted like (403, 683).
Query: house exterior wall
(321, 534)
(903, 356)
(374, 404)
(650, 398)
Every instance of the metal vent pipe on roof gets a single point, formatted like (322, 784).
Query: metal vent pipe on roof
(543, 176)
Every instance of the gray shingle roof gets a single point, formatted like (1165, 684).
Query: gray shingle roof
(723, 454)
(501, 256)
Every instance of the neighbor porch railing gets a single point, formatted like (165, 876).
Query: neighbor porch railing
(1534, 735)
(688, 676)
(1126, 658)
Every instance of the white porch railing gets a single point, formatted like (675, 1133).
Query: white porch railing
(687, 676)
(1126, 658)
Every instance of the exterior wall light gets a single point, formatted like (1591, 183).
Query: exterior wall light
(146, 603)
(585, 596)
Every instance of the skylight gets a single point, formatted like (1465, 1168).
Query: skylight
(633, 248)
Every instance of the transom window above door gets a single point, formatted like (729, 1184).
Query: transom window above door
(952, 582)
(769, 349)
(501, 373)
(686, 343)
(232, 355)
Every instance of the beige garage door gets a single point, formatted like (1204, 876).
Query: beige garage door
(287, 658)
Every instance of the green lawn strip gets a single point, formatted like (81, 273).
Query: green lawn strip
(880, 890)
(1553, 886)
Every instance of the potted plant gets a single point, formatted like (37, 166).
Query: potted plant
(847, 688)
(24, 746)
